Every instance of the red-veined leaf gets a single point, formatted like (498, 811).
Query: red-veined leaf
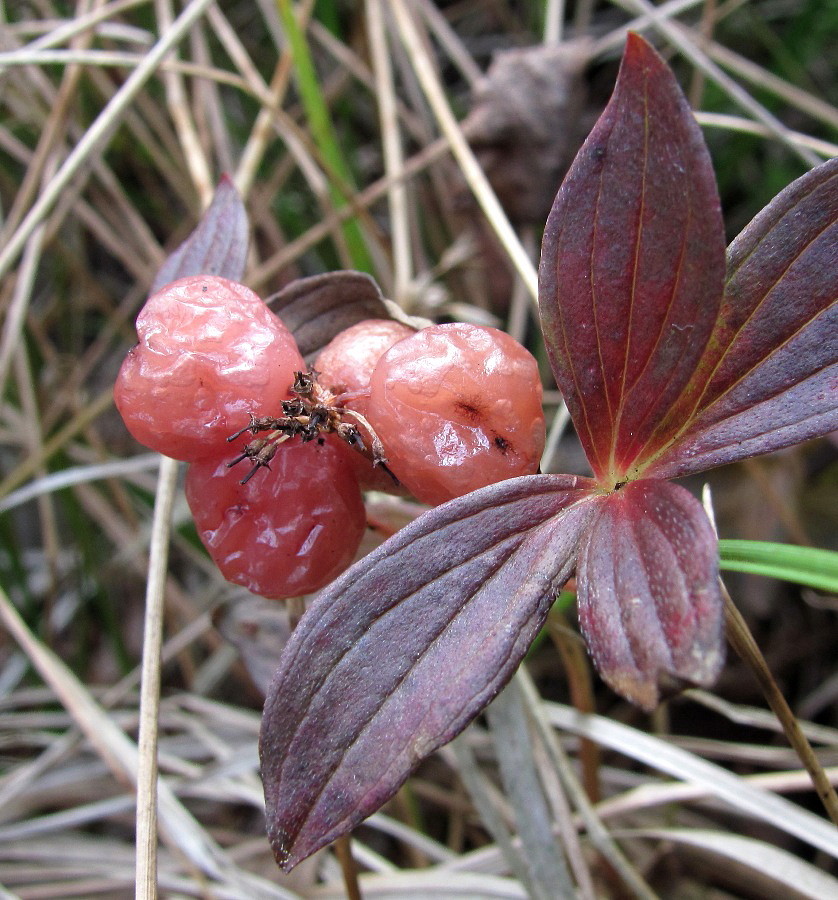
(632, 265)
(406, 647)
(648, 592)
(217, 246)
(769, 377)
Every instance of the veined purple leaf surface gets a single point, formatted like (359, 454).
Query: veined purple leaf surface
(404, 649)
(632, 266)
(319, 307)
(648, 594)
(769, 378)
(217, 246)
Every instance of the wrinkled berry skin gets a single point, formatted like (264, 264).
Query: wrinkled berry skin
(457, 407)
(210, 354)
(291, 529)
(345, 366)
(347, 362)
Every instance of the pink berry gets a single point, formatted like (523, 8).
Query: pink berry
(291, 529)
(210, 354)
(346, 363)
(345, 366)
(457, 407)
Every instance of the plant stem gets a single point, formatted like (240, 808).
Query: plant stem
(146, 863)
(343, 850)
(320, 123)
(744, 644)
(577, 669)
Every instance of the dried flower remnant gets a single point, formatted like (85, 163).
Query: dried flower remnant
(527, 121)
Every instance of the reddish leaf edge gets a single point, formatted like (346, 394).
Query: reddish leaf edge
(298, 827)
(696, 447)
(615, 448)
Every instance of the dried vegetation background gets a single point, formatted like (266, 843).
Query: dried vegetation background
(363, 135)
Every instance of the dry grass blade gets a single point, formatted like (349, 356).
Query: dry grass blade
(459, 147)
(150, 696)
(520, 777)
(598, 834)
(117, 118)
(392, 146)
(713, 780)
(766, 870)
(486, 800)
(121, 754)
(826, 149)
(745, 645)
(144, 462)
(99, 132)
(648, 795)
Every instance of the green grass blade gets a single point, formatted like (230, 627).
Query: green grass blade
(808, 566)
(320, 123)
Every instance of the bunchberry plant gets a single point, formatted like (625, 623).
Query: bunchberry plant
(217, 379)
(672, 359)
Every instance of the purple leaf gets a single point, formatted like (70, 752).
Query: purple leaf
(632, 266)
(648, 592)
(217, 246)
(316, 309)
(769, 378)
(401, 652)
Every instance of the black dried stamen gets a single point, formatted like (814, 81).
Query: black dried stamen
(251, 473)
(309, 414)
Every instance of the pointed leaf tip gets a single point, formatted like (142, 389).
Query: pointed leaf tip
(638, 51)
(401, 652)
(769, 376)
(217, 245)
(632, 267)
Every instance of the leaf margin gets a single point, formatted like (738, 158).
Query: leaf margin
(295, 689)
(216, 246)
(684, 454)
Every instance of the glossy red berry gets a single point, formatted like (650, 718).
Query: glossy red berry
(289, 530)
(345, 367)
(457, 407)
(210, 355)
(346, 364)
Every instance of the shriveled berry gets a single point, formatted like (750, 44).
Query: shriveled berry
(345, 366)
(346, 363)
(290, 529)
(210, 354)
(457, 407)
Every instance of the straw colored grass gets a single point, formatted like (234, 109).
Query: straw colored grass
(128, 714)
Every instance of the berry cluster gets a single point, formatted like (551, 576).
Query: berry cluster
(217, 379)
